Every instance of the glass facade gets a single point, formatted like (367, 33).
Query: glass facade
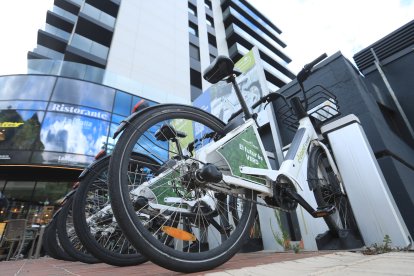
(51, 121)
(58, 121)
(98, 15)
(89, 46)
(34, 200)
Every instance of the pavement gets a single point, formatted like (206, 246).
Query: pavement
(257, 263)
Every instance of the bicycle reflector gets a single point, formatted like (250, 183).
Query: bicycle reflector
(178, 233)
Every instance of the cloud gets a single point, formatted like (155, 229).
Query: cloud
(312, 27)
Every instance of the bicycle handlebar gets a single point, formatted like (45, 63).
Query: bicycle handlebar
(306, 70)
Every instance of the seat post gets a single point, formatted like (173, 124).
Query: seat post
(239, 95)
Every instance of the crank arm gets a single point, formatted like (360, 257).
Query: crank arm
(326, 211)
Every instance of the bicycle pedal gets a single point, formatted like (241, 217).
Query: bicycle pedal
(324, 211)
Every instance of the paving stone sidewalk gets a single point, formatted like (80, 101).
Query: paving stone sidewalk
(51, 267)
(258, 263)
(339, 263)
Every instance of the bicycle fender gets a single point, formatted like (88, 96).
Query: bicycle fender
(91, 167)
(142, 112)
(69, 194)
(134, 115)
(56, 213)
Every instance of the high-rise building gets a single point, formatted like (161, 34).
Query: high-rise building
(97, 59)
(164, 45)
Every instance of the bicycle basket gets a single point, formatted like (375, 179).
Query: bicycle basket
(322, 106)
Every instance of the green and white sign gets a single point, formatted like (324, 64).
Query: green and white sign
(221, 100)
(244, 149)
(167, 186)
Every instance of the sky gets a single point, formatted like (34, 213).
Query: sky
(309, 27)
(19, 22)
(313, 27)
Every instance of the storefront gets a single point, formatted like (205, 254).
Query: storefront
(51, 128)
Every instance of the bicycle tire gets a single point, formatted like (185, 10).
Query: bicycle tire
(45, 245)
(67, 236)
(190, 245)
(117, 252)
(51, 242)
(327, 191)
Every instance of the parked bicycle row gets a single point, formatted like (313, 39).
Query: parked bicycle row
(181, 187)
(84, 228)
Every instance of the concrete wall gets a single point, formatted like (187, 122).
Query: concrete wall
(150, 45)
(398, 70)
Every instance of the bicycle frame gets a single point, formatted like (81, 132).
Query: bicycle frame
(242, 151)
(304, 139)
(258, 178)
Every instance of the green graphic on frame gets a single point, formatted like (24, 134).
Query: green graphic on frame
(244, 149)
(167, 186)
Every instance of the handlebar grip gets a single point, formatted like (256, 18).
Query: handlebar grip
(316, 61)
(305, 72)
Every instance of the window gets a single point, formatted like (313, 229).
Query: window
(122, 103)
(98, 14)
(83, 93)
(87, 45)
(20, 130)
(21, 190)
(195, 93)
(69, 133)
(26, 87)
(195, 78)
(193, 29)
(36, 105)
(139, 103)
(208, 5)
(212, 57)
(192, 9)
(50, 191)
(194, 52)
(2, 184)
(212, 40)
(210, 21)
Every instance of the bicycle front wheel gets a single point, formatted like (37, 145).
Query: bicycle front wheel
(176, 221)
(328, 192)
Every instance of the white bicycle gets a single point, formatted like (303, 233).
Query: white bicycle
(195, 211)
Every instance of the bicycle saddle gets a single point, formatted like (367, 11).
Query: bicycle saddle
(221, 68)
(167, 132)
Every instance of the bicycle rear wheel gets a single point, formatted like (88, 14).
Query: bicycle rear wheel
(327, 191)
(93, 219)
(51, 242)
(177, 222)
(68, 238)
